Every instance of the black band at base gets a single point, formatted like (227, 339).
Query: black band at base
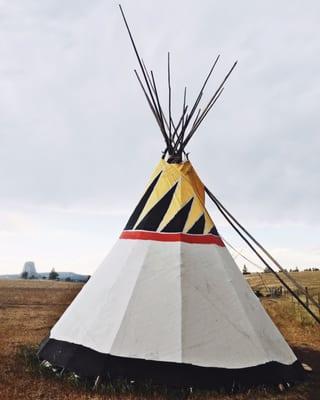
(90, 363)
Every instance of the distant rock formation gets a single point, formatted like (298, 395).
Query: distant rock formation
(29, 270)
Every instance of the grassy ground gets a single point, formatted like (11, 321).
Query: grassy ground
(28, 309)
(310, 279)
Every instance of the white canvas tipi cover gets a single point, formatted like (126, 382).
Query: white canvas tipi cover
(169, 303)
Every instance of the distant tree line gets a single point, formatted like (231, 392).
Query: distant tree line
(296, 269)
(312, 269)
(53, 276)
(267, 270)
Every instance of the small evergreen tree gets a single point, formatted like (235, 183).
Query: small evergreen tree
(245, 270)
(53, 275)
(24, 275)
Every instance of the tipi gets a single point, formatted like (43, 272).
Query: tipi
(169, 303)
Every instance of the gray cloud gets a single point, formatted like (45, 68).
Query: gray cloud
(75, 131)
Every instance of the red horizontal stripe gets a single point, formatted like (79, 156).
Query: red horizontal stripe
(172, 237)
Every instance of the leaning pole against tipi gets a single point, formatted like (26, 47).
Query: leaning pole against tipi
(168, 303)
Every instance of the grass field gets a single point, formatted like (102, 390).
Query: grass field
(28, 309)
(308, 279)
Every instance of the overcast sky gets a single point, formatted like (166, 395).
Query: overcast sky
(78, 143)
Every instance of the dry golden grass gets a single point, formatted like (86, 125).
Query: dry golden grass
(28, 309)
(310, 279)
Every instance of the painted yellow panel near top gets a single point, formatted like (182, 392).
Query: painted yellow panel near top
(189, 186)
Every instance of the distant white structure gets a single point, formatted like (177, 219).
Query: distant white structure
(30, 269)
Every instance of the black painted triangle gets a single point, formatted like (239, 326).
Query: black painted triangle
(138, 210)
(153, 218)
(177, 223)
(198, 226)
(214, 231)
